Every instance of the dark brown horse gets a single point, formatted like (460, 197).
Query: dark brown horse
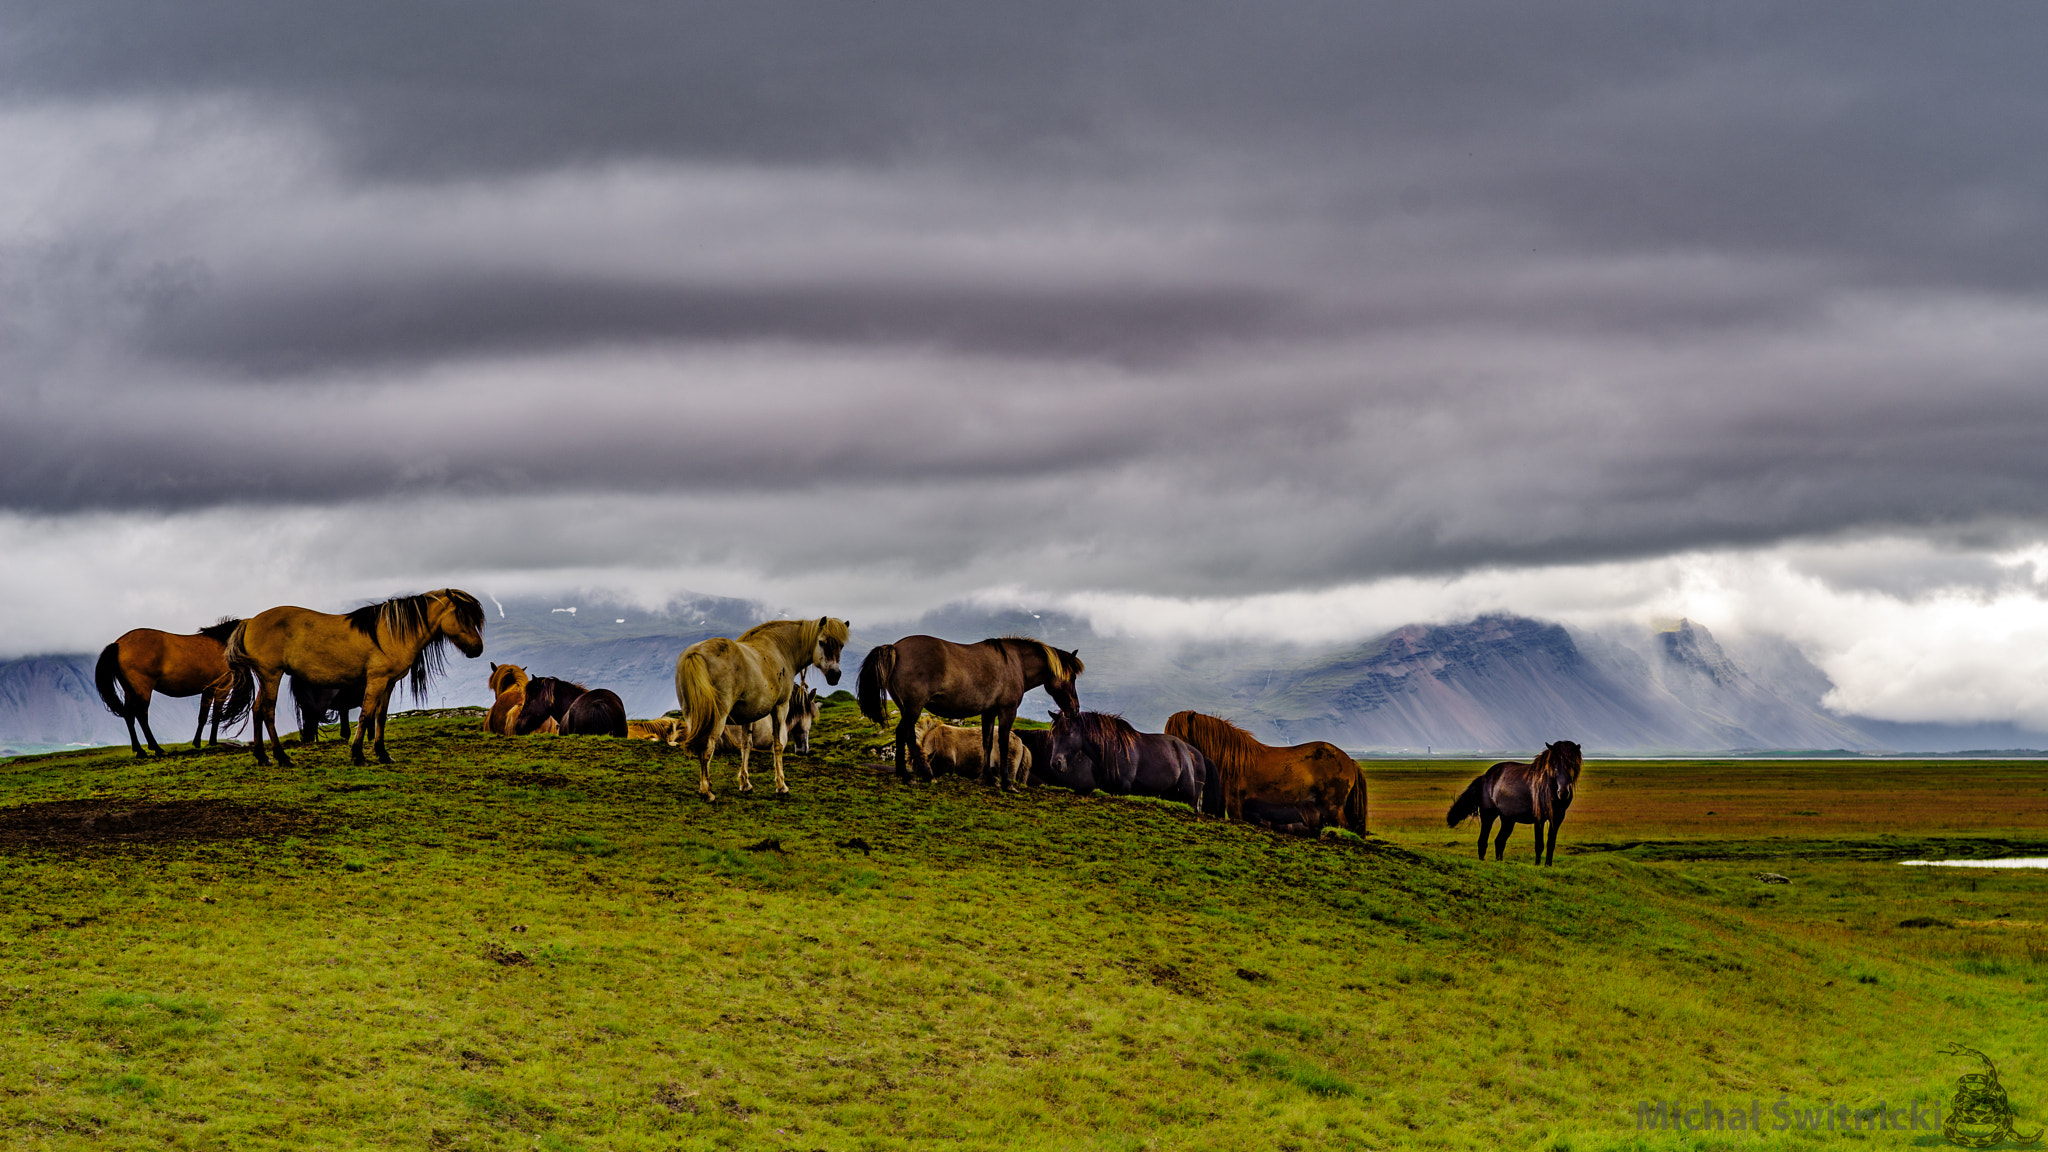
(145, 662)
(371, 648)
(1315, 781)
(315, 705)
(576, 710)
(956, 681)
(1091, 750)
(1537, 793)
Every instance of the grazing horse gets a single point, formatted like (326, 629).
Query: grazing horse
(1516, 793)
(957, 751)
(145, 662)
(803, 714)
(1092, 750)
(721, 681)
(1317, 781)
(315, 705)
(370, 649)
(956, 681)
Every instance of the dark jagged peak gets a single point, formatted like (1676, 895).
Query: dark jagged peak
(1690, 646)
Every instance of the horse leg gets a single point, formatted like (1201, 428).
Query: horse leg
(1500, 846)
(344, 724)
(366, 723)
(1485, 831)
(704, 769)
(205, 701)
(741, 781)
(906, 736)
(988, 750)
(140, 706)
(266, 709)
(1536, 834)
(1007, 773)
(781, 737)
(1550, 852)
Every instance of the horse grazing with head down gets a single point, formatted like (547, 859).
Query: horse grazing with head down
(1090, 750)
(1537, 793)
(371, 649)
(145, 662)
(956, 681)
(1306, 787)
(722, 681)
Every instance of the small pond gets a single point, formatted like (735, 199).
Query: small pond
(2008, 862)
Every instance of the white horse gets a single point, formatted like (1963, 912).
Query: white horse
(721, 681)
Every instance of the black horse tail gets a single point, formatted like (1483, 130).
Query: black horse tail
(1467, 803)
(233, 695)
(107, 674)
(1354, 805)
(875, 673)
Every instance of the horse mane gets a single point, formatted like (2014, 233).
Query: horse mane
(1060, 666)
(1557, 767)
(807, 631)
(1111, 734)
(407, 617)
(220, 629)
(1233, 749)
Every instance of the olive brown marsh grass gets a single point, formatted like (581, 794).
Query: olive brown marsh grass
(552, 942)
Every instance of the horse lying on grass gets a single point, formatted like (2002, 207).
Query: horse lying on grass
(508, 692)
(957, 751)
(1090, 750)
(573, 709)
(145, 662)
(1535, 793)
(1315, 782)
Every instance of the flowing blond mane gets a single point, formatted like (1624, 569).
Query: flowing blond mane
(807, 633)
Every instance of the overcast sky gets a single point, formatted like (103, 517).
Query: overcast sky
(1299, 319)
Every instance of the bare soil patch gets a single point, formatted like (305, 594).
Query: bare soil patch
(118, 821)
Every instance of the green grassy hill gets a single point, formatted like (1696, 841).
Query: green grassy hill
(553, 943)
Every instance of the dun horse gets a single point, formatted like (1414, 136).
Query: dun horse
(1316, 784)
(146, 662)
(371, 648)
(957, 751)
(1514, 793)
(956, 681)
(721, 681)
(1091, 750)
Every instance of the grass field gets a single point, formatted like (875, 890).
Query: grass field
(551, 943)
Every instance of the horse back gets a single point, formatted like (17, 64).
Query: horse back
(598, 712)
(955, 680)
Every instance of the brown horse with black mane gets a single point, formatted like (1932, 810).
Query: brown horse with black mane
(1537, 793)
(373, 647)
(956, 681)
(146, 662)
(1307, 786)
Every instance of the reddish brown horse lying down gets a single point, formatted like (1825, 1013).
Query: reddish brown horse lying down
(145, 662)
(1306, 787)
(575, 710)
(956, 681)
(1535, 793)
(508, 691)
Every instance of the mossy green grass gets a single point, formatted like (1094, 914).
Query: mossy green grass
(552, 942)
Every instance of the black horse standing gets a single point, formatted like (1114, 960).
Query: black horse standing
(1515, 793)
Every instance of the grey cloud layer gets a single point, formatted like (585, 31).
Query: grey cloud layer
(1208, 298)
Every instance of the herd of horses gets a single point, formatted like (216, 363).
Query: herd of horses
(749, 693)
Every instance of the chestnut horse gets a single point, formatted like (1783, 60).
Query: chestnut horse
(956, 681)
(1536, 793)
(721, 681)
(146, 662)
(371, 648)
(1315, 783)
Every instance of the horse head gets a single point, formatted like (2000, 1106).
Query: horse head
(462, 620)
(1068, 763)
(1065, 668)
(832, 637)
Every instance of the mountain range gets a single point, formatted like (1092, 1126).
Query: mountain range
(1496, 684)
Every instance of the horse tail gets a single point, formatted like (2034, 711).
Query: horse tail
(1354, 804)
(107, 675)
(699, 698)
(876, 672)
(1467, 803)
(242, 682)
(234, 693)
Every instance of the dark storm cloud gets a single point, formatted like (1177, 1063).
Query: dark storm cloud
(1214, 297)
